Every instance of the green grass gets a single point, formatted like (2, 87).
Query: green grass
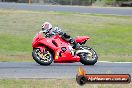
(54, 83)
(111, 36)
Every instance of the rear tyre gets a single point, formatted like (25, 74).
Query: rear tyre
(89, 58)
(42, 58)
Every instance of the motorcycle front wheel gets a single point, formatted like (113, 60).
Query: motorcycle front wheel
(42, 58)
(89, 58)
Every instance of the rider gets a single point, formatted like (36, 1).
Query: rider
(48, 31)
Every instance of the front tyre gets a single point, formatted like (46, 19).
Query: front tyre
(89, 58)
(42, 58)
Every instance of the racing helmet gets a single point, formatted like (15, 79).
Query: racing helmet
(46, 27)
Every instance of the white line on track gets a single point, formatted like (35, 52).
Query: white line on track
(112, 62)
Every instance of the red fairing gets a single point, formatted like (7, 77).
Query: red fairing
(42, 42)
(36, 39)
(81, 39)
(56, 43)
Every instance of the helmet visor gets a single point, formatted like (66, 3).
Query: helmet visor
(44, 30)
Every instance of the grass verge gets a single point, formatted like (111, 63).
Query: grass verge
(53, 83)
(110, 35)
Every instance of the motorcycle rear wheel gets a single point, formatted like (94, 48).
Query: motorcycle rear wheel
(42, 58)
(88, 58)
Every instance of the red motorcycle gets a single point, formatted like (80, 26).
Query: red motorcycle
(57, 49)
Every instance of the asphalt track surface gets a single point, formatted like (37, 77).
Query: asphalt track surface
(79, 9)
(26, 70)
